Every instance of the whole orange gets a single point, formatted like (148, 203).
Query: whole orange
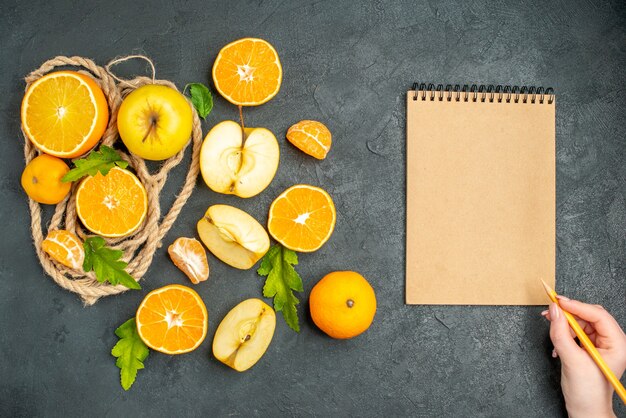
(343, 304)
(41, 179)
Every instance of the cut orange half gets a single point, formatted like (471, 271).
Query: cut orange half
(64, 113)
(247, 72)
(302, 218)
(172, 319)
(114, 205)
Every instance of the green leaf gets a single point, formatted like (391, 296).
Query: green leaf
(282, 280)
(201, 99)
(101, 161)
(106, 263)
(130, 352)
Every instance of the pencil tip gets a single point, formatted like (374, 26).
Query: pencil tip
(545, 286)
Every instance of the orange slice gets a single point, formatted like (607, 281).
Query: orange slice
(65, 248)
(114, 205)
(247, 72)
(189, 256)
(302, 218)
(64, 113)
(311, 137)
(172, 319)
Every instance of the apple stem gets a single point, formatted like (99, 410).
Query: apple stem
(241, 116)
(242, 125)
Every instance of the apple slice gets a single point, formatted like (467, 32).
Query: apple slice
(233, 236)
(242, 164)
(244, 334)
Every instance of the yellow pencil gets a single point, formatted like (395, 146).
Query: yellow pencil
(588, 345)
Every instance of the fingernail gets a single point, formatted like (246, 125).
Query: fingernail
(544, 313)
(560, 297)
(554, 354)
(554, 311)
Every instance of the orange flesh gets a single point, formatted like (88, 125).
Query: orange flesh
(311, 137)
(64, 113)
(112, 205)
(189, 256)
(172, 319)
(247, 72)
(302, 218)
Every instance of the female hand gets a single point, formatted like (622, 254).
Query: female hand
(587, 392)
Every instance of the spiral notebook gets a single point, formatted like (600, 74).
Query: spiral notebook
(480, 227)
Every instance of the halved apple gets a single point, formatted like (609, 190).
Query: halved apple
(233, 236)
(236, 162)
(244, 334)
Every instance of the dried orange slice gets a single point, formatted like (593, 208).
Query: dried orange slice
(311, 137)
(302, 218)
(172, 319)
(189, 256)
(247, 72)
(65, 248)
(64, 113)
(114, 205)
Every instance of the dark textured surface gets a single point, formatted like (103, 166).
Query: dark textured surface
(348, 65)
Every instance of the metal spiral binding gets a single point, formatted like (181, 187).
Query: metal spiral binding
(483, 93)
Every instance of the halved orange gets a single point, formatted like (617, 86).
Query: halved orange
(189, 256)
(114, 205)
(65, 248)
(172, 319)
(302, 218)
(311, 137)
(247, 72)
(64, 113)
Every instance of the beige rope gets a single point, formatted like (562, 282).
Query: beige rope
(119, 60)
(140, 247)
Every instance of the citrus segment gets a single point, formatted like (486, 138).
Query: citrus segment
(302, 218)
(247, 72)
(343, 304)
(65, 248)
(172, 319)
(64, 113)
(189, 256)
(114, 205)
(311, 137)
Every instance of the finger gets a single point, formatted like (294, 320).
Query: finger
(602, 321)
(560, 335)
(585, 326)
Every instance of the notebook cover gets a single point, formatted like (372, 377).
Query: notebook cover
(480, 225)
